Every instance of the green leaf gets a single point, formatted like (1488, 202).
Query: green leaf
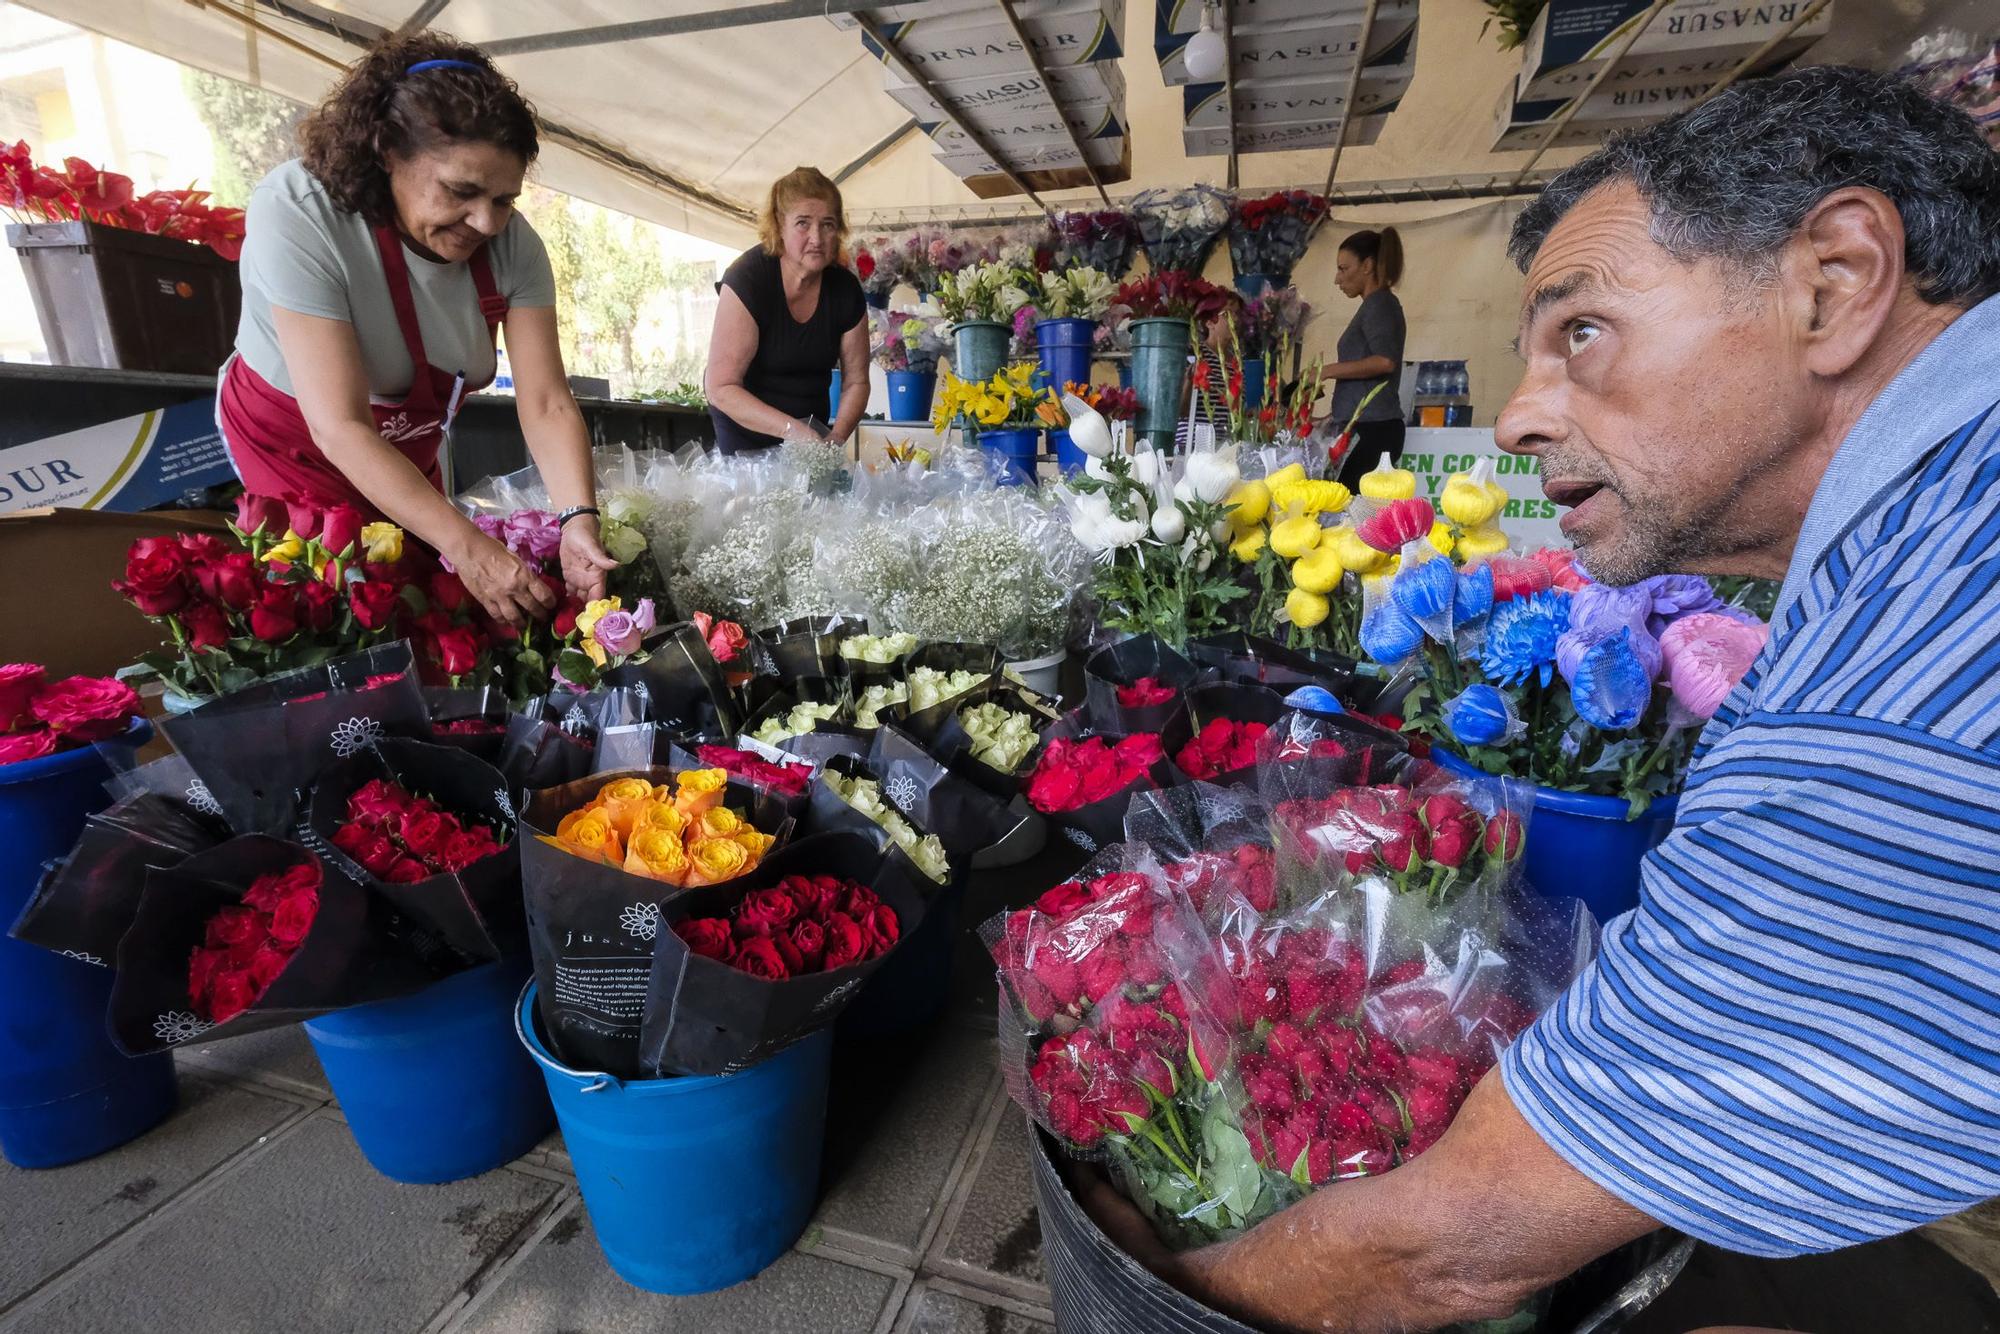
(414, 599)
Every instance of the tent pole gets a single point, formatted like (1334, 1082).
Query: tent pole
(1062, 110)
(922, 80)
(1750, 61)
(1353, 91)
(1603, 73)
(421, 17)
(777, 11)
(882, 146)
(281, 38)
(1229, 86)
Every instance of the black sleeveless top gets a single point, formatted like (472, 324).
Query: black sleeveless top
(793, 368)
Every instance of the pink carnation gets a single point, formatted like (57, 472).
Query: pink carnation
(1706, 655)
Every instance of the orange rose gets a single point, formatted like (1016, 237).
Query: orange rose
(658, 815)
(754, 842)
(701, 790)
(718, 823)
(657, 854)
(714, 860)
(590, 833)
(622, 790)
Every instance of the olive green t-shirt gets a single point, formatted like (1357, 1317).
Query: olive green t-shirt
(302, 253)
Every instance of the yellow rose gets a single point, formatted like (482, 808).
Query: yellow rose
(592, 613)
(1295, 537)
(1466, 502)
(1355, 554)
(1479, 543)
(1251, 501)
(714, 860)
(1386, 482)
(288, 548)
(1306, 609)
(382, 543)
(1318, 571)
(700, 790)
(1249, 546)
(590, 833)
(720, 822)
(657, 855)
(658, 815)
(1441, 538)
(755, 842)
(625, 789)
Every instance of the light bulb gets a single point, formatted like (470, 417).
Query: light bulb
(1206, 52)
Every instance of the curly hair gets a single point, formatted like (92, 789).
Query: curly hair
(379, 109)
(797, 184)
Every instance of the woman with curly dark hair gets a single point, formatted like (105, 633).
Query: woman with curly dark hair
(377, 270)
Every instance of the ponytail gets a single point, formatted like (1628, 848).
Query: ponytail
(1384, 247)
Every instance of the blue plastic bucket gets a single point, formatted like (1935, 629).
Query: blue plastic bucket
(65, 1092)
(697, 1182)
(1582, 847)
(833, 398)
(434, 1086)
(1068, 457)
(910, 395)
(980, 349)
(876, 300)
(1253, 383)
(912, 988)
(1159, 372)
(1065, 347)
(1015, 451)
(1125, 373)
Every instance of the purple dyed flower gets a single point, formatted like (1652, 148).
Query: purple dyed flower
(1575, 643)
(1600, 609)
(1676, 595)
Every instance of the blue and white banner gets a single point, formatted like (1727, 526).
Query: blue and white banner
(127, 465)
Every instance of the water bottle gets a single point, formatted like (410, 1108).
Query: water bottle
(1458, 411)
(1432, 378)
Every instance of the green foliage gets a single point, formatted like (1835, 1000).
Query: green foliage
(1515, 17)
(252, 132)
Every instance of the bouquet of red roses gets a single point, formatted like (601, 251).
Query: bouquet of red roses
(1137, 685)
(40, 717)
(246, 946)
(1268, 236)
(789, 777)
(398, 836)
(803, 924)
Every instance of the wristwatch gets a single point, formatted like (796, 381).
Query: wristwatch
(570, 513)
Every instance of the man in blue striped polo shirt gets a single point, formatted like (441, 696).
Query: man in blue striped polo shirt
(1762, 338)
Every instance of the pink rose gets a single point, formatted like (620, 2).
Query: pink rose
(87, 708)
(18, 683)
(18, 746)
(1706, 654)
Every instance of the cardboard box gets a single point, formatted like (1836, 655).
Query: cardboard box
(1184, 16)
(1031, 134)
(1262, 102)
(1358, 133)
(56, 603)
(1690, 41)
(1105, 152)
(1318, 47)
(1000, 101)
(1064, 33)
(1524, 124)
(996, 186)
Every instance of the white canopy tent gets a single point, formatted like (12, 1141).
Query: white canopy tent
(683, 111)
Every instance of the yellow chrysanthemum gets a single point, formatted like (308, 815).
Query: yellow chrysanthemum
(1318, 571)
(1249, 546)
(1306, 609)
(1295, 537)
(1250, 502)
(1441, 538)
(1479, 543)
(1355, 554)
(1468, 503)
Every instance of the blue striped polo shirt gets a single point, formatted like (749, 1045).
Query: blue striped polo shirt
(1793, 1043)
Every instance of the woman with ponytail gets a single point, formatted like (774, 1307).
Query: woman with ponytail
(1370, 350)
(377, 270)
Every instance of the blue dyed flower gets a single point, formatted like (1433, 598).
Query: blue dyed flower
(1389, 635)
(1612, 688)
(1599, 609)
(1424, 590)
(1521, 637)
(1314, 699)
(1576, 642)
(1479, 715)
(1473, 597)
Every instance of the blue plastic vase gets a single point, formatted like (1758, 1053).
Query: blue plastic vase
(1159, 374)
(875, 300)
(1253, 383)
(1581, 846)
(979, 349)
(1068, 457)
(434, 1086)
(693, 1182)
(1015, 451)
(1125, 373)
(65, 1092)
(910, 395)
(833, 399)
(912, 988)
(1065, 348)
(1254, 285)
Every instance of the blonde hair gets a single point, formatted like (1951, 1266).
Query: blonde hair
(798, 184)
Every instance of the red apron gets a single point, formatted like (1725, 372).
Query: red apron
(267, 436)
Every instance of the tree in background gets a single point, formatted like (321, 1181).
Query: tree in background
(252, 130)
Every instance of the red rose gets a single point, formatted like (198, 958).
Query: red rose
(154, 576)
(303, 517)
(458, 650)
(230, 993)
(765, 911)
(1055, 786)
(30, 745)
(1104, 777)
(201, 548)
(375, 604)
(318, 605)
(808, 937)
(466, 847)
(86, 708)
(1139, 752)
(275, 618)
(859, 900)
(206, 625)
(19, 681)
(339, 528)
(447, 591)
(708, 937)
(1451, 843)
(255, 512)
(881, 929)
(1144, 693)
(760, 957)
(231, 581)
(426, 830)
(234, 926)
(1063, 900)
(1504, 836)
(846, 943)
(565, 623)
(406, 871)
(377, 802)
(377, 856)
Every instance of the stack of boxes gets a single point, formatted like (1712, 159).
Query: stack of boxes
(1683, 53)
(1292, 62)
